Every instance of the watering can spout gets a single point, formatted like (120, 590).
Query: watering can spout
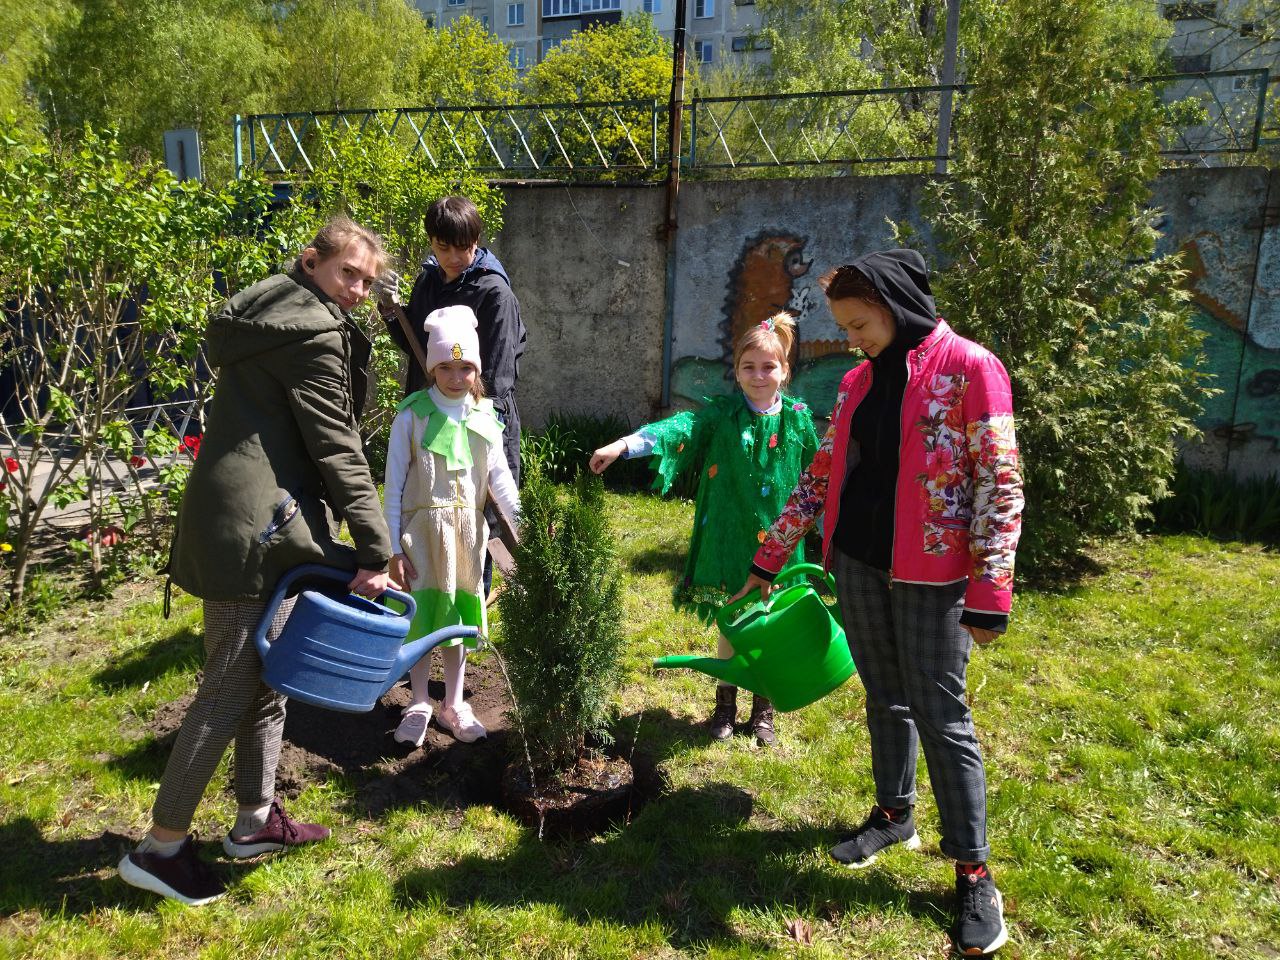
(733, 670)
(415, 650)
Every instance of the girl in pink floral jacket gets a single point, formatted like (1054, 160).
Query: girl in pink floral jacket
(918, 484)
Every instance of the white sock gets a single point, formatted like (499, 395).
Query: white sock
(455, 665)
(161, 848)
(250, 820)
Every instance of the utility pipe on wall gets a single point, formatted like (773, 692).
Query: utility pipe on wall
(675, 128)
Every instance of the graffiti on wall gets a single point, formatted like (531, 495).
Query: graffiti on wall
(1238, 306)
(770, 274)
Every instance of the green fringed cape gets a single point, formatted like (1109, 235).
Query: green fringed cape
(748, 464)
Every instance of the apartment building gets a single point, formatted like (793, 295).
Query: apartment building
(717, 29)
(1221, 35)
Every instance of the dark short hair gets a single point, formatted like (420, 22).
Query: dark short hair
(455, 221)
(847, 282)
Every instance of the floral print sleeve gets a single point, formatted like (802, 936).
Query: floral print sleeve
(803, 506)
(997, 490)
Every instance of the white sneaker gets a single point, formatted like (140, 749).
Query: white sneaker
(413, 724)
(462, 723)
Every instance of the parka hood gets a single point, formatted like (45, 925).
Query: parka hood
(268, 315)
(902, 278)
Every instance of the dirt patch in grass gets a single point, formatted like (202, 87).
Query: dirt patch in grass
(358, 747)
(319, 744)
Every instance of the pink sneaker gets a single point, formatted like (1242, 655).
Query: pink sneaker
(413, 724)
(462, 723)
(280, 831)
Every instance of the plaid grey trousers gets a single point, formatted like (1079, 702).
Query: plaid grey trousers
(912, 655)
(232, 702)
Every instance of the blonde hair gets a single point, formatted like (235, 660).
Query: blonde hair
(775, 335)
(339, 233)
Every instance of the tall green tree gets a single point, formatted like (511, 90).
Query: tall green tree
(1051, 244)
(348, 54)
(25, 30)
(462, 64)
(628, 60)
(150, 65)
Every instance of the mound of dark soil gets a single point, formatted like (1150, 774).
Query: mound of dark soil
(320, 743)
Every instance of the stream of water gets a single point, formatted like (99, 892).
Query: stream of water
(524, 740)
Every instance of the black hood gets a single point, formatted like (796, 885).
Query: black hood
(902, 279)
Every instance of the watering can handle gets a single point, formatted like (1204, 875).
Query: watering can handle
(814, 570)
(313, 570)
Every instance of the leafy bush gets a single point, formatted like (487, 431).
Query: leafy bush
(564, 445)
(1219, 505)
(561, 620)
(1052, 250)
(107, 276)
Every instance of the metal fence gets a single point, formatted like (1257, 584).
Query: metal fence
(1223, 113)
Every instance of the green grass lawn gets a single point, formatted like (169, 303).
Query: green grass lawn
(1130, 729)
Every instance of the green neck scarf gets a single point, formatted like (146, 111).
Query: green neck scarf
(448, 437)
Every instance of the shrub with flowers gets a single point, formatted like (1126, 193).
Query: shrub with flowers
(107, 277)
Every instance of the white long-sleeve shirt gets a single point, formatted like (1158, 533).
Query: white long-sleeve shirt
(400, 456)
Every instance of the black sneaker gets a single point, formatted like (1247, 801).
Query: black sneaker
(979, 927)
(878, 831)
(183, 877)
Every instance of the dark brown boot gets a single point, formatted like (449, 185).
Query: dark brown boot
(726, 712)
(762, 720)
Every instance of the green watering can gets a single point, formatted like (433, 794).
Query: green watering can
(788, 648)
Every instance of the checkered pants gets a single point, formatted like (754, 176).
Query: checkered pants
(231, 703)
(912, 655)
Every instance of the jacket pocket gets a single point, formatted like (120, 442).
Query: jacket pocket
(283, 514)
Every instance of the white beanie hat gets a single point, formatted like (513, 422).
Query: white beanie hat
(451, 335)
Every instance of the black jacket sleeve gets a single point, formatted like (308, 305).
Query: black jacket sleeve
(502, 338)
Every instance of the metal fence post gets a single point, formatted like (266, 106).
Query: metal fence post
(948, 79)
(239, 156)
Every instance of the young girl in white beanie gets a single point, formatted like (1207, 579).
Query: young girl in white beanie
(444, 460)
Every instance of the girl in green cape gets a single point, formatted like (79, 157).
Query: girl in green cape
(748, 449)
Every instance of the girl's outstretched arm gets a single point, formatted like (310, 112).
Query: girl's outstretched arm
(603, 458)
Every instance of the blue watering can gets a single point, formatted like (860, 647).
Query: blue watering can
(340, 651)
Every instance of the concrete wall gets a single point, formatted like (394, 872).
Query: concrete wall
(590, 273)
(589, 267)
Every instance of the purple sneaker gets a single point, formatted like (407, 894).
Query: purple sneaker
(280, 831)
(183, 877)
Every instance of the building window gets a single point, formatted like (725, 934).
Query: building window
(745, 3)
(484, 20)
(1199, 63)
(652, 6)
(704, 8)
(517, 56)
(704, 51)
(594, 6)
(1244, 84)
(457, 3)
(1191, 11)
(560, 8)
(743, 44)
(515, 14)
(546, 45)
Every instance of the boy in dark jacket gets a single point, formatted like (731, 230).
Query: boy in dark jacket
(460, 271)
